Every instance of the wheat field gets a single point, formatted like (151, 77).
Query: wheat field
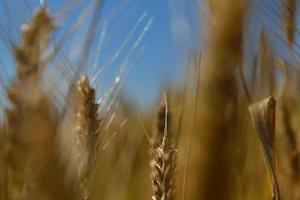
(227, 129)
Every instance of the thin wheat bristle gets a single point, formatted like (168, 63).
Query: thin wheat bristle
(263, 118)
(163, 163)
(88, 130)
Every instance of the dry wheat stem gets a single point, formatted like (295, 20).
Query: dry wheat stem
(219, 100)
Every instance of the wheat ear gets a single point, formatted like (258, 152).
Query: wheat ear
(27, 55)
(34, 41)
(263, 119)
(88, 131)
(163, 164)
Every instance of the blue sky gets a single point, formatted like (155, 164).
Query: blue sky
(160, 56)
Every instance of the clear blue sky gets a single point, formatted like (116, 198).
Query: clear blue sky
(159, 57)
(162, 52)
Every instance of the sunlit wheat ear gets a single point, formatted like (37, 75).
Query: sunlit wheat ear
(289, 20)
(163, 164)
(263, 118)
(34, 41)
(88, 131)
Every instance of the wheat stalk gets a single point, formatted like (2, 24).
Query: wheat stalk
(266, 80)
(218, 101)
(291, 152)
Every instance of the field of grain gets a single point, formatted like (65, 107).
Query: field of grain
(229, 128)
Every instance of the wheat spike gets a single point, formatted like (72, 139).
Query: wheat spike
(27, 55)
(34, 41)
(263, 118)
(28, 101)
(88, 129)
(163, 163)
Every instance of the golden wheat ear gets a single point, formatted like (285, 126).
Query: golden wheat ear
(163, 163)
(88, 131)
(263, 118)
(31, 138)
(34, 42)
